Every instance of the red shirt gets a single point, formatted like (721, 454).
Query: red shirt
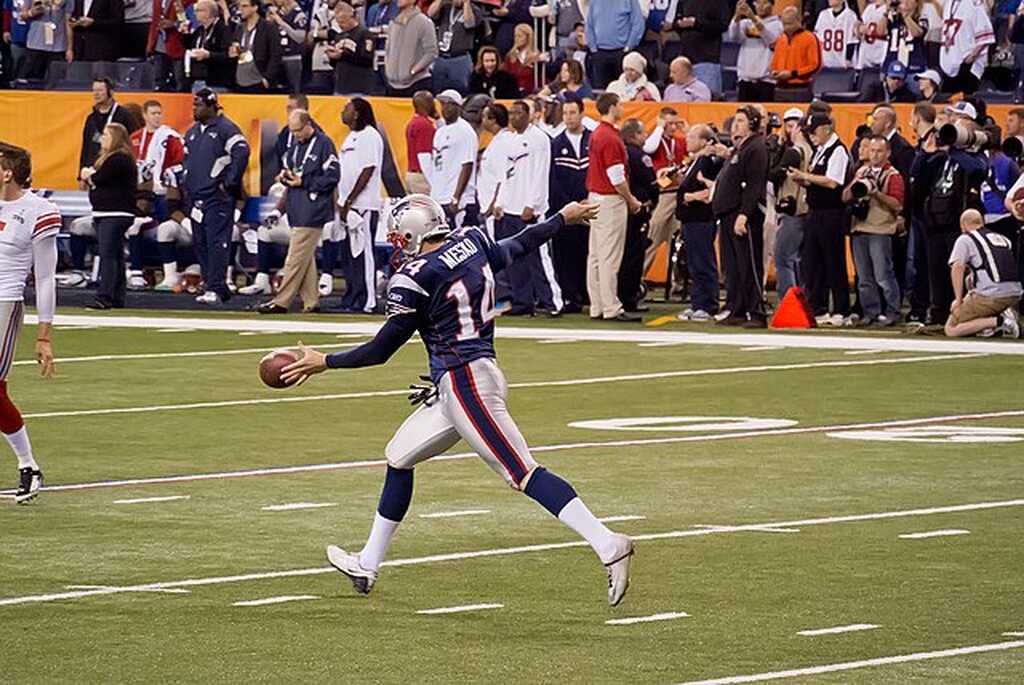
(524, 74)
(606, 150)
(419, 139)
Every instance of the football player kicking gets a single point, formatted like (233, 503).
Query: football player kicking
(446, 292)
(28, 241)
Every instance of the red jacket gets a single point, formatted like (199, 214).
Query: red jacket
(174, 43)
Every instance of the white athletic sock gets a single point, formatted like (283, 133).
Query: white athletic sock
(576, 515)
(22, 447)
(171, 272)
(377, 544)
(262, 280)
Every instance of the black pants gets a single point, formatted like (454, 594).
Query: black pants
(212, 239)
(823, 261)
(531, 278)
(571, 246)
(170, 74)
(759, 91)
(963, 81)
(113, 283)
(422, 84)
(37, 62)
(743, 257)
(132, 39)
(798, 94)
(605, 67)
(920, 293)
(631, 271)
(940, 245)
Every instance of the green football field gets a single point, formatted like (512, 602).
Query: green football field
(831, 508)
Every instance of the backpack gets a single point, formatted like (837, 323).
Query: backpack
(948, 197)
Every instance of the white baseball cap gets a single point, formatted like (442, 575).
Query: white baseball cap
(793, 113)
(450, 95)
(964, 109)
(931, 75)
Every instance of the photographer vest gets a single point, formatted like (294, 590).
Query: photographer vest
(825, 198)
(880, 220)
(996, 252)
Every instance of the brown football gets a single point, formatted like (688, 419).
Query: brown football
(271, 365)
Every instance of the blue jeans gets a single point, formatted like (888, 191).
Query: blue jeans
(452, 72)
(788, 240)
(699, 239)
(872, 256)
(711, 74)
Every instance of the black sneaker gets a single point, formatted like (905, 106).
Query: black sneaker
(31, 481)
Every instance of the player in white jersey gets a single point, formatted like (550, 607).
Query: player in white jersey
(836, 29)
(28, 242)
(874, 35)
(453, 171)
(966, 36)
(493, 162)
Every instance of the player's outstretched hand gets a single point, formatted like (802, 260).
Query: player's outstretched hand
(311, 362)
(579, 212)
(44, 355)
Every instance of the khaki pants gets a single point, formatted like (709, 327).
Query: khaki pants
(607, 241)
(977, 306)
(416, 182)
(662, 227)
(300, 275)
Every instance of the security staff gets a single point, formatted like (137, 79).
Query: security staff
(216, 156)
(738, 205)
(311, 172)
(570, 159)
(643, 185)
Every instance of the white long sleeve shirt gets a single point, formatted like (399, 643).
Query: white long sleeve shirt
(755, 58)
(526, 182)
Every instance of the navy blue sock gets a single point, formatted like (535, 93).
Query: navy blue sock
(329, 256)
(79, 246)
(550, 491)
(396, 495)
(265, 254)
(168, 252)
(135, 252)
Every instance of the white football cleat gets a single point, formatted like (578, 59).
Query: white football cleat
(260, 286)
(1010, 327)
(137, 281)
(326, 285)
(209, 297)
(362, 579)
(618, 569)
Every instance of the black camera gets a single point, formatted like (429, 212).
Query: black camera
(786, 205)
(861, 190)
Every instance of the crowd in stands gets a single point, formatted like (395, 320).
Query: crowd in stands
(671, 50)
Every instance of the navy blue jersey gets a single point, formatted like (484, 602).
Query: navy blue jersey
(450, 292)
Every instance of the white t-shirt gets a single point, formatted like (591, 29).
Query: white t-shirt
(361, 149)
(838, 163)
(965, 251)
(24, 223)
(529, 166)
(493, 168)
(934, 32)
(835, 34)
(455, 145)
(875, 45)
(965, 25)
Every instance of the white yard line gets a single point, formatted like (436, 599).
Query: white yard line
(149, 500)
(856, 352)
(175, 330)
(167, 591)
(661, 375)
(935, 534)
(283, 470)
(1014, 634)
(298, 505)
(667, 616)
(169, 355)
(460, 609)
(593, 334)
(557, 341)
(733, 529)
(864, 663)
(667, 343)
(838, 629)
(507, 551)
(273, 600)
(762, 348)
(454, 514)
(626, 517)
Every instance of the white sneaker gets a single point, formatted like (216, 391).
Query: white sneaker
(723, 315)
(137, 282)
(685, 315)
(326, 285)
(260, 286)
(362, 579)
(700, 315)
(1010, 327)
(168, 285)
(77, 279)
(209, 297)
(618, 569)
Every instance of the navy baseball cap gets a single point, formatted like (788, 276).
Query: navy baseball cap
(206, 96)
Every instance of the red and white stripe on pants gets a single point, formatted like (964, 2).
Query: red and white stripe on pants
(471, 406)
(11, 316)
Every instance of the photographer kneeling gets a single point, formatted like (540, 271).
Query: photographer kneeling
(876, 197)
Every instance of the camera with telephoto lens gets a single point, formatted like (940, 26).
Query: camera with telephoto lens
(861, 190)
(959, 136)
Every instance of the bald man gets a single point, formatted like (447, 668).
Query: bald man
(983, 260)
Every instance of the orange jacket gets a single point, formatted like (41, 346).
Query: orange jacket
(800, 53)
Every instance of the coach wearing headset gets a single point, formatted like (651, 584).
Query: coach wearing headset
(738, 206)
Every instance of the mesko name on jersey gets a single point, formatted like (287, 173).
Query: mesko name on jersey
(458, 253)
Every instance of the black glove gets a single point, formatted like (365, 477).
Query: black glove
(423, 393)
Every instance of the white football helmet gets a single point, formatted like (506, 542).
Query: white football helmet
(412, 220)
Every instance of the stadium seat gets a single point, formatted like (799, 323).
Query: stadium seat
(997, 97)
(730, 54)
(836, 85)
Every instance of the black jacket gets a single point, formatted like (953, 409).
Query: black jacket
(697, 212)
(353, 71)
(743, 181)
(113, 186)
(93, 129)
(100, 42)
(641, 174)
(219, 69)
(703, 41)
(266, 49)
(500, 85)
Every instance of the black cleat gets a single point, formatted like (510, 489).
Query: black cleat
(30, 483)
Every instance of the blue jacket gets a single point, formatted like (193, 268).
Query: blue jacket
(614, 24)
(1002, 174)
(568, 178)
(311, 205)
(216, 156)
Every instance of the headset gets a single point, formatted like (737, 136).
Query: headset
(753, 115)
